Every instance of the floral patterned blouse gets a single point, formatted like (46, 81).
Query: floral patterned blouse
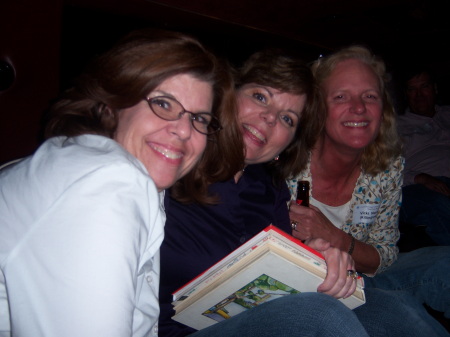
(374, 209)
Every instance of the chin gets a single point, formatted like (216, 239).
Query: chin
(163, 187)
(164, 183)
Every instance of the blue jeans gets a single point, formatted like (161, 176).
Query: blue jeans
(419, 277)
(385, 314)
(306, 314)
(424, 207)
(394, 313)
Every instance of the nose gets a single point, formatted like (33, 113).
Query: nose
(358, 106)
(270, 116)
(182, 127)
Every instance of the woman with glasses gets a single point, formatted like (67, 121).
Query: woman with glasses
(81, 220)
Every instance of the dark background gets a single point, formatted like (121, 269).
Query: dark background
(50, 41)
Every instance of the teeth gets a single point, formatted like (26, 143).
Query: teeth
(167, 153)
(255, 133)
(356, 124)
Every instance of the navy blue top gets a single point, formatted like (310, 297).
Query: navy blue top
(196, 237)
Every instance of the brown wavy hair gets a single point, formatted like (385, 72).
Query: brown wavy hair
(386, 147)
(278, 69)
(126, 74)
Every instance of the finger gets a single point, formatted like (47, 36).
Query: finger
(343, 285)
(318, 244)
(445, 190)
(353, 276)
(338, 283)
(315, 208)
(294, 224)
(352, 288)
(333, 280)
(297, 212)
(300, 235)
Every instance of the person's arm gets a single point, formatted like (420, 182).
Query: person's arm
(337, 283)
(312, 224)
(432, 183)
(84, 255)
(409, 177)
(318, 232)
(366, 256)
(384, 233)
(374, 246)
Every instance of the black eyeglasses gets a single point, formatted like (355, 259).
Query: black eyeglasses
(170, 109)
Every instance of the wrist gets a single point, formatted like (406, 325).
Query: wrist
(351, 247)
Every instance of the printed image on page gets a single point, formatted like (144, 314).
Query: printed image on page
(261, 290)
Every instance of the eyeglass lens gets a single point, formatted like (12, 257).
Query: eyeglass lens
(169, 109)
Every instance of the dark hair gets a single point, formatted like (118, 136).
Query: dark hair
(126, 74)
(386, 147)
(278, 69)
(413, 69)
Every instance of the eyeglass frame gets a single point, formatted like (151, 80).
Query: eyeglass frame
(191, 117)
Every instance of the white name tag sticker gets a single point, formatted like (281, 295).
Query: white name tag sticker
(365, 213)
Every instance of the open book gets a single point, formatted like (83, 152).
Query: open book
(270, 265)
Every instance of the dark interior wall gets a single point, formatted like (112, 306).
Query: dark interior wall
(30, 43)
(88, 30)
(48, 42)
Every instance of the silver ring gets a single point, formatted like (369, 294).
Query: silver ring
(294, 225)
(353, 274)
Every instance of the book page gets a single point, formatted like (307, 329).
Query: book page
(267, 278)
(270, 233)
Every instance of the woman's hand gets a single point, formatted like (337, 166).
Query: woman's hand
(432, 183)
(337, 283)
(311, 223)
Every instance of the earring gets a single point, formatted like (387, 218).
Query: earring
(276, 158)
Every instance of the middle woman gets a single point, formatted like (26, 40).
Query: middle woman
(275, 95)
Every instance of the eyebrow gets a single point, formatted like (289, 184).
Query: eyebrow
(299, 113)
(163, 93)
(271, 94)
(265, 89)
(166, 94)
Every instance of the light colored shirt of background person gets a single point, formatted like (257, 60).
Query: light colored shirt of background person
(425, 132)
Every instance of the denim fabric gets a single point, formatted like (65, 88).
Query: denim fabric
(306, 314)
(419, 277)
(423, 273)
(424, 207)
(395, 313)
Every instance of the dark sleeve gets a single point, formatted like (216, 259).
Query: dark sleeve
(281, 208)
(196, 237)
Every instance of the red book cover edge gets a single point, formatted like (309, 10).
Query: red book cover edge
(268, 228)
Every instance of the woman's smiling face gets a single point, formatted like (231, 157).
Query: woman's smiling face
(354, 106)
(269, 120)
(168, 149)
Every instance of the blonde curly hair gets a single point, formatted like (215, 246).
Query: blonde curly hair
(387, 146)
